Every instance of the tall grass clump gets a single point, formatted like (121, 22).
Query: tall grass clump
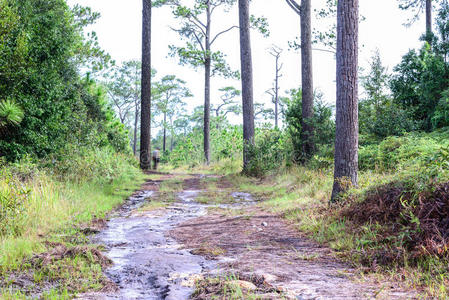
(13, 198)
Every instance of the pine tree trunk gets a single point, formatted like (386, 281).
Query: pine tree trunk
(276, 99)
(165, 133)
(172, 134)
(346, 143)
(428, 17)
(136, 120)
(145, 135)
(207, 74)
(307, 80)
(247, 81)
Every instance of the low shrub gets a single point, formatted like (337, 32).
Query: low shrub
(270, 152)
(85, 164)
(400, 153)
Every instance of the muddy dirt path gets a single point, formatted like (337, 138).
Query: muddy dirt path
(162, 253)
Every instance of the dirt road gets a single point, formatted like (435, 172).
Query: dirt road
(195, 236)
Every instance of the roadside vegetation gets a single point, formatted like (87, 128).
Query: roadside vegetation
(65, 159)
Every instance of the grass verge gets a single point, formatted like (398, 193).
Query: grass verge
(53, 215)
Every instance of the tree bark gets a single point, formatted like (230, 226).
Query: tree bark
(428, 17)
(276, 99)
(136, 120)
(346, 143)
(172, 134)
(207, 74)
(307, 80)
(145, 135)
(164, 143)
(247, 81)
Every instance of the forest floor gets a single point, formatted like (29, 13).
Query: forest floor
(199, 236)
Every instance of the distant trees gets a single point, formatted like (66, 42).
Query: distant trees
(247, 81)
(145, 133)
(346, 141)
(172, 92)
(196, 27)
(262, 114)
(379, 115)
(227, 105)
(124, 90)
(274, 92)
(322, 121)
(419, 83)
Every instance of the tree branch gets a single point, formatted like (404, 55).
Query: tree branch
(199, 21)
(202, 29)
(199, 41)
(295, 6)
(223, 32)
(324, 50)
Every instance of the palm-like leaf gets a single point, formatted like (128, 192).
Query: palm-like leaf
(10, 113)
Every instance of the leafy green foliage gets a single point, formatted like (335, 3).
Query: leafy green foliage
(101, 165)
(270, 152)
(418, 83)
(412, 151)
(260, 24)
(441, 117)
(41, 55)
(10, 113)
(324, 126)
(422, 77)
(226, 142)
(379, 116)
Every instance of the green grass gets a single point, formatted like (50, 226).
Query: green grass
(52, 212)
(223, 167)
(171, 185)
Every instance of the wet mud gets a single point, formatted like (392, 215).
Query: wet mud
(147, 263)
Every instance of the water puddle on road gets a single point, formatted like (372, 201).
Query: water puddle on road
(147, 264)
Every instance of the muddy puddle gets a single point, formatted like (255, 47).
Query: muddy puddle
(147, 263)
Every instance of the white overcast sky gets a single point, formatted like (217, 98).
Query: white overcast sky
(119, 33)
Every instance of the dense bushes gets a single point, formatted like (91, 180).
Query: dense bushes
(399, 153)
(324, 126)
(421, 79)
(42, 49)
(272, 151)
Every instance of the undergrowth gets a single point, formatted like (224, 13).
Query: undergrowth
(42, 204)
